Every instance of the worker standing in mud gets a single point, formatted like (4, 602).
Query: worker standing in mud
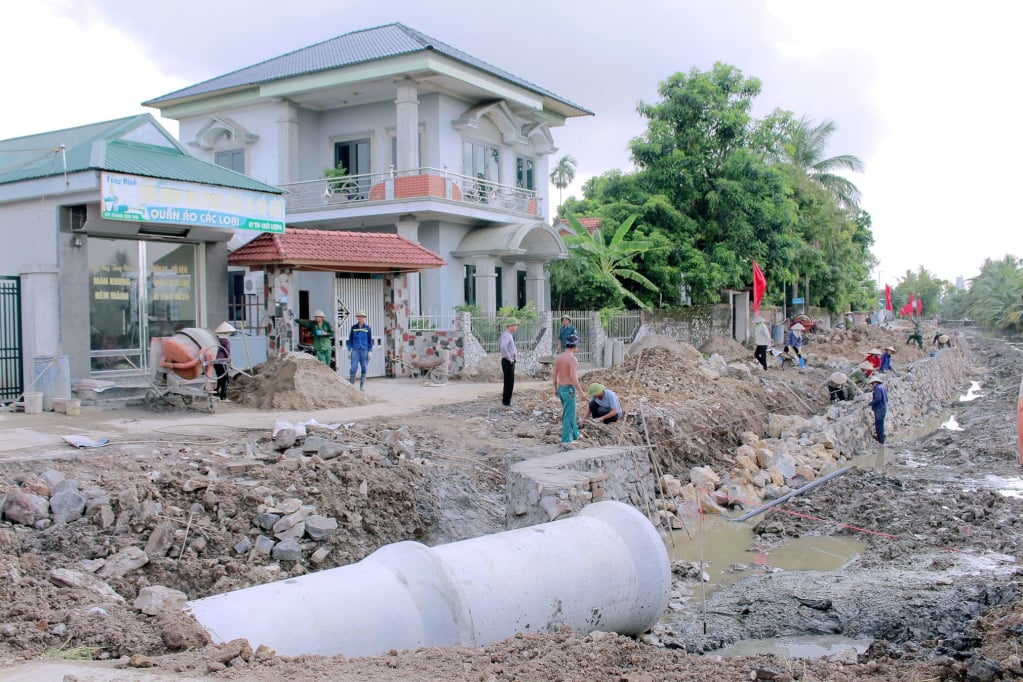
(565, 375)
(323, 336)
(360, 345)
(879, 404)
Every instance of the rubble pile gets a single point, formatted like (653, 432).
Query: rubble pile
(295, 381)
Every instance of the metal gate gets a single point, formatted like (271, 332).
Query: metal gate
(355, 294)
(11, 373)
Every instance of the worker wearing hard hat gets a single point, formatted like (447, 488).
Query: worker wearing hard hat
(360, 345)
(604, 405)
(323, 336)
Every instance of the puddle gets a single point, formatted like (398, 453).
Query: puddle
(795, 647)
(729, 553)
(972, 393)
(952, 424)
(1004, 486)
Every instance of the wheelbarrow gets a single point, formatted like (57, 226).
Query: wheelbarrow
(543, 367)
(429, 367)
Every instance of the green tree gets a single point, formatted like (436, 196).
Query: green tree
(563, 174)
(922, 285)
(611, 260)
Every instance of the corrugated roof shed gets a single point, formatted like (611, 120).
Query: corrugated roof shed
(136, 145)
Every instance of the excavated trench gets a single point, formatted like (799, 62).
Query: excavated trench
(899, 555)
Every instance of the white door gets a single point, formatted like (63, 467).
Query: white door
(360, 294)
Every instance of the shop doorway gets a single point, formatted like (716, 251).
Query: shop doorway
(137, 290)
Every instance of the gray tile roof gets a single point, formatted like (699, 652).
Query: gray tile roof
(357, 47)
(103, 146)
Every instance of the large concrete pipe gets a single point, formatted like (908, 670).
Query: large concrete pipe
(603, 569)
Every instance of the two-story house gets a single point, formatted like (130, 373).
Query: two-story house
(387, 130)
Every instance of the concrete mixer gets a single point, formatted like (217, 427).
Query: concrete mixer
(183, 367)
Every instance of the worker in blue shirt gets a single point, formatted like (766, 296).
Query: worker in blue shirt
(567, 330)
(360, 345)
(879, 404)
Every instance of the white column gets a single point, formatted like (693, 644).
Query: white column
(537, 287)
(407, 132)
(40, 314)
(486, 284)
(287, 144)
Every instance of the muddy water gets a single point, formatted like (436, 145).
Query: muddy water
(729, 551)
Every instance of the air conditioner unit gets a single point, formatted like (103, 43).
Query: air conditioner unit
(255, 283)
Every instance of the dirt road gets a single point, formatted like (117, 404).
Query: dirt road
(936, 587)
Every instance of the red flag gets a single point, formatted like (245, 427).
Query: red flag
(919, 305)
(759, 287)
(911, 305)
(887, 298)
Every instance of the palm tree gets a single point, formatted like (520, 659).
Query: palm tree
(612, 260)
(563, 174)
(993, 299)
(806, 145)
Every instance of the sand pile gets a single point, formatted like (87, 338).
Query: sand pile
(295, 381)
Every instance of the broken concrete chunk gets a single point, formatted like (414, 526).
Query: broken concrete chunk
(67, 505)
(65, 577)
(26, 508)
(287, 550)
(320, 555)
(330, 450)
(318, 526)
(122, 563)
(160, 540)
(156, 598)
(285, 439)
(263, 544)
(243, 546)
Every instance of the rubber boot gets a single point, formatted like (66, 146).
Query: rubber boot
(362, 382)
(351, 379)
(802, 362)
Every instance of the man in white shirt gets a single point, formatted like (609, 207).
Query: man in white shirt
(506, 344)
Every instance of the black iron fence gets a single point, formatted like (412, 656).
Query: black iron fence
(11, 360)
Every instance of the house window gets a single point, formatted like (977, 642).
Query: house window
(524, 173)
(232, 158)
(353, 156)
(483, 164)
(482, 161)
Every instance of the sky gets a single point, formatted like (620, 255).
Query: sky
(923, 92)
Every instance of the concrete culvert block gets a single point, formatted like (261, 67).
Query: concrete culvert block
(607, 568)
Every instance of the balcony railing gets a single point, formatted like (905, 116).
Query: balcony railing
(418, 183)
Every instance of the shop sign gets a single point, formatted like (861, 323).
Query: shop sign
(151, 200)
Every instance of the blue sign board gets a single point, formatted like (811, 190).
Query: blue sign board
(797, 301)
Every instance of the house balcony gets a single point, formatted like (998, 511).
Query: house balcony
(429, 193)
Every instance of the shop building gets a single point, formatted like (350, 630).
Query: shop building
(113, 234)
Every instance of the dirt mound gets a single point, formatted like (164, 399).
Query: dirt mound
(729, 349)
(295, 381)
